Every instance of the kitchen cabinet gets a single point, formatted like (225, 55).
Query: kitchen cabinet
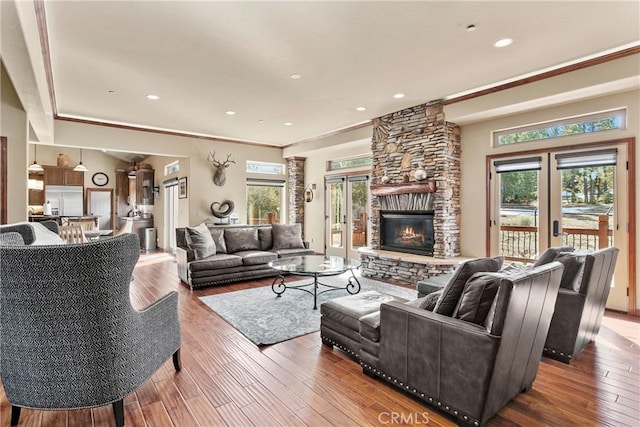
(122, 193)
(36, 188)
(54, 175)
(144, 186)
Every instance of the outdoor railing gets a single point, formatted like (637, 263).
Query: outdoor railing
(520, 243)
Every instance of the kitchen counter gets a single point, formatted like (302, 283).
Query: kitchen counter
(139, 224)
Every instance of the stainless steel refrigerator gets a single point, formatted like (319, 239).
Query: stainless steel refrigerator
(66, 200)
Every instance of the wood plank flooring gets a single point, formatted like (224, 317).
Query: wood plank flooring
(226, 380)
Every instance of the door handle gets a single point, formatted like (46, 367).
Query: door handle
(556, 228)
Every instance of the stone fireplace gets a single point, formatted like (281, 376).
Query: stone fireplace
(401, 140)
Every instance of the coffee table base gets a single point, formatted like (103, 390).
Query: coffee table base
(279, 286)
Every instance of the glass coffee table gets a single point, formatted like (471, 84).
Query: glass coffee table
(316, 266)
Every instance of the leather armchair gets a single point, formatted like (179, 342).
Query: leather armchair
(466, 369)
(69, 337)
(581, 303)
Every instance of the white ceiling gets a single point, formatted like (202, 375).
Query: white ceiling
(205, 58)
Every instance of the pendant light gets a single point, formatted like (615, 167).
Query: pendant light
(80, 167)
(35, 167)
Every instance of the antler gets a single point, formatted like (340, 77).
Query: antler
(212, 159)
(228, 161)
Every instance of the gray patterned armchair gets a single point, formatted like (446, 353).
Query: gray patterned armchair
(69, 337)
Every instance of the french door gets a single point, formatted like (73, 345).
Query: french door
(347, 215)
(170, 215)
(577, 197)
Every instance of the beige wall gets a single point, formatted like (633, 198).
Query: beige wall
(477, 144)
(13, 125)
(315, 172)
(162, 148)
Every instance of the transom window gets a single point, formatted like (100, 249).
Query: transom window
(264, 167)
(596, 122)
(334, 165)
(171, 168)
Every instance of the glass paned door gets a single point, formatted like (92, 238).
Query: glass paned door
(347, 215)
(574, 198)
(336, 216)
(517, 208)
(358, 189)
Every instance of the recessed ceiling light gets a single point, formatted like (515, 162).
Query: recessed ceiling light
(296, 76)
(471, 28)
(112, 92)
(288, 124)
(153, 97)
(260, 121)
(361, 108)
(503, 42)
(398, 95)
(230, 113)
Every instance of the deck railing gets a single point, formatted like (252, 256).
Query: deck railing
(520, 243)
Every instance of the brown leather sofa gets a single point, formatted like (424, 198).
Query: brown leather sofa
(583, 293)
(465, 364)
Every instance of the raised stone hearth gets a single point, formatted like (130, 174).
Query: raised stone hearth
(402, 268)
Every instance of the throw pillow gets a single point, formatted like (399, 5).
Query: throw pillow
(241, 239)
(573, 269)
(477, 297)
(550, 254)
(199, 239)
(451, 293)
(217, 234)
(44, 236)
(427, 302)
(287, 236)
(266, 238)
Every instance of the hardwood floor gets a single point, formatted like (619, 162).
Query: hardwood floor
(226, 380)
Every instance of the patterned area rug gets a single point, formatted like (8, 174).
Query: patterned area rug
(266, 319)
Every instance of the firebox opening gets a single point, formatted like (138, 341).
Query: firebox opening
(407, 231)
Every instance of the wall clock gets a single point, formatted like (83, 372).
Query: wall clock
(100, 179)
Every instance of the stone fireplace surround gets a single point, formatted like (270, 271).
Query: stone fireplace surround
(400, 140)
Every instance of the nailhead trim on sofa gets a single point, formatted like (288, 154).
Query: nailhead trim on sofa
(423, 396)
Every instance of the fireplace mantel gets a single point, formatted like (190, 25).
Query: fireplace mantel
(404, 188)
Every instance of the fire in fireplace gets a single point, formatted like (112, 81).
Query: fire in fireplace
(407, 231)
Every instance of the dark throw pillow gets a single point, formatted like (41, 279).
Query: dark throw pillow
(287, 236)
(550, 254)
(199, 239)
(218, 237)
(266, 238)
(477, 297)
(241, 239)
(448, 302)
(427, 302)
(573, 269)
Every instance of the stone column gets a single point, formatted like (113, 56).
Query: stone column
(420, 134)
(295, 191)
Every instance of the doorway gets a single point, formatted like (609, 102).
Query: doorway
(170, 215)
(576, 196)
(347, 215)
(100, 203)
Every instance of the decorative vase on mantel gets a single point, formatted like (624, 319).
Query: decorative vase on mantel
(420, 173)
(63, 160)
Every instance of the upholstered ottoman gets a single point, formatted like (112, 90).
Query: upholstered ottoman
(340, 319)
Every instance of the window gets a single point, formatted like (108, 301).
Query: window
(171, 168)
(590, 123)
(265, 201)
(263, 167)
(334, 165)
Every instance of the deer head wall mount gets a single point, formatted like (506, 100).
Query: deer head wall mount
(220, 176)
